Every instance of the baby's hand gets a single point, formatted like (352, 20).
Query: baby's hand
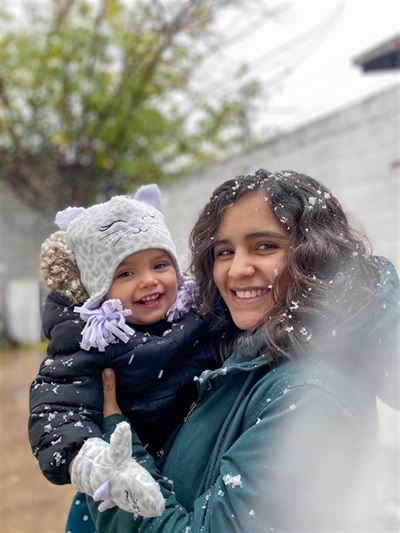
(110, 406)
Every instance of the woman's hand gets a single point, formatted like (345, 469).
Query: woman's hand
(110, 406)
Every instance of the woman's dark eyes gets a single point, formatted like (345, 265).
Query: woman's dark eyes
(266, 246)
(263, 246)
(222, 253)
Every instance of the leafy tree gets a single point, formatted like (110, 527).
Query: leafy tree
(95, 97)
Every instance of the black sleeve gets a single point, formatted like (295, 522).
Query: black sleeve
(66, 402)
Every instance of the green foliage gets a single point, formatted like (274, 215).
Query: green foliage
(95, 97)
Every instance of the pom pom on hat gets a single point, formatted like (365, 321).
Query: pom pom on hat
(59, 270)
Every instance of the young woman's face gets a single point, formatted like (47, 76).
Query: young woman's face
(146, 283)
(250, 250)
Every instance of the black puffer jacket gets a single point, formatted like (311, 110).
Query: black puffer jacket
(155, 386)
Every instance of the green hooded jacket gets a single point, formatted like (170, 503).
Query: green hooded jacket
(277, 447)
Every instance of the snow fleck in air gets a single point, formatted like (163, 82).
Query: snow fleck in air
(268, 400)
(294, 306)
(221, 493)
(167, 332)
(252, 514)
(258, 421)
(131, 359)
(233, 481)
(48, 362)
(292, 407)
(334, 333)
(160, 374)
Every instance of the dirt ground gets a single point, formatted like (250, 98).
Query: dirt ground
(30, 504)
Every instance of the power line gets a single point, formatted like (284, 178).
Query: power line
(318, 32)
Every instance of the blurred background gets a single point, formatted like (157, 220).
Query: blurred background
(100, 96)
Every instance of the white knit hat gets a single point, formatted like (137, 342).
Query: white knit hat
(103, 235)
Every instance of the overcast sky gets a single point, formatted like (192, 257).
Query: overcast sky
(304, 55)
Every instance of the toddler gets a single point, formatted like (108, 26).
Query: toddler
(117, 259)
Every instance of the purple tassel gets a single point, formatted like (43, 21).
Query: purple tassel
(104, 493)
(185, 299)
(104, 325)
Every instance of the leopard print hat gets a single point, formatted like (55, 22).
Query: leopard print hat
(103, 235)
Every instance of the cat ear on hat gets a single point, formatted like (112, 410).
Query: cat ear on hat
(149, 194)
(65, 218)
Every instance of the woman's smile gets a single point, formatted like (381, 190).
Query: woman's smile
(248, 294)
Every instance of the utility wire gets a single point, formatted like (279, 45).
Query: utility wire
(318, 31)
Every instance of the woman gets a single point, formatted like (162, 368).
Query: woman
(282, 436)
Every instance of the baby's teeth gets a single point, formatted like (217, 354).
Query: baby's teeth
(150, 298)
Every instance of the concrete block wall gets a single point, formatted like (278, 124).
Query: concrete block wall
(354, 152)
(22, 230)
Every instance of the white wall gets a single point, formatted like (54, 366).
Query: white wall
(354, 152)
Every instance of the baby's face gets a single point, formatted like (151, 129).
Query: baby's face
(146, 283)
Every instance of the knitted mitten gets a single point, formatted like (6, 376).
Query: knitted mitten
(108, 472)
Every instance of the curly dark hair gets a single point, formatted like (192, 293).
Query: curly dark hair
(329, 278)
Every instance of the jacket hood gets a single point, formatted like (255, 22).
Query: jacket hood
(61, 324)
(380, 339)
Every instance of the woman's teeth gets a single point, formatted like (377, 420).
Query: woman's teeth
(253, 293)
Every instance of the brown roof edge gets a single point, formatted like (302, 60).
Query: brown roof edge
(383, 48)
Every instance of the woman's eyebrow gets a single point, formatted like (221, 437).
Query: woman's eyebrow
(268, 234)
(256, 235)
(221, 241)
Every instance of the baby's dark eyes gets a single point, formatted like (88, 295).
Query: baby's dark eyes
(161, 265)
(125, 274)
